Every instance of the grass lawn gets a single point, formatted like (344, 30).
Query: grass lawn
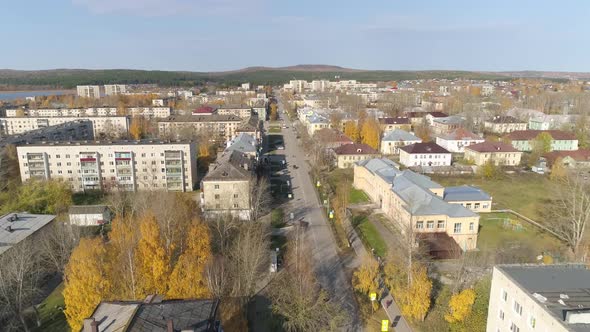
(52, 318)
(277, 218)
(524, 193)
(357, 196)
(274, 129)
(369, 235)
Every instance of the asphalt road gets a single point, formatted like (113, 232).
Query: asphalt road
(305, 204)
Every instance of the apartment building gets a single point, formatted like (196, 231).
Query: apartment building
(240, 112)
(102, 125)
(393, 140)
(445, 125)
(160, 112)
(414, 202)
(226, 188)
(348, 154)
(221, 126)
(106, 165)
(501, 154)
(560, 140)
(504, 124)
(419, 118)
(148, 112)
(457, 140)
(395, 123)
(88, 91)
(424, 154)
(115, 89)
(533, 298)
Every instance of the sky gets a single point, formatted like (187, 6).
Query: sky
(218, 35)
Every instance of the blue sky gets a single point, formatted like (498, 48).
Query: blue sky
(212, 35)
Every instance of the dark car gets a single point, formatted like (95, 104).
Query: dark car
(395, 321)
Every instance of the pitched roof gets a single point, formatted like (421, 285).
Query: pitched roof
(396, 120)
(331, 135)
(87, 209)
(465, 193)
(429, 147)
(423, 114)
(522, 135)
(461, 134)
(489, 146)
(453, 119)
(230, 166)
(355, 148)
(400, 135)
(203, 118)
(504, 119)
(577, 155)
(204, 110)
(243, 143)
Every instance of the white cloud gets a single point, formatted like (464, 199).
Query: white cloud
(169, 7)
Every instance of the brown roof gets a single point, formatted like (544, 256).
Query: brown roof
(577, 155)
(504, 119)
(396, 120)
(429, 147)
(488, 146)
(460, 134)
(423, 114)
(331, 135)
(355, 148)
(525, 135)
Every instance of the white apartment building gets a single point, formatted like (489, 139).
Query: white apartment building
(105, 165)
(547, 298)
(55, 112)
(102, 125)
(88, 91)
(220, 126)
(424, 154)
(320, 85)
(242, 112)
(160, 112)
(115, 89)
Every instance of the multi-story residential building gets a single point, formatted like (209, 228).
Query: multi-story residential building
(102, 125)
(160, 112)
(415, 204)
(397, 123)
(393, 140)
(551, 121)
(533, 298)
(315, 102)
(504, 124)
(457, 140)
(88, 91)
(115, 89)
(226, 189)
(220, 126)
(148, 112)
(424, 154)
(346, 155)
(560, 140)
(320, 85)
(470, 197)
(245, 143)
(107, 165)
(501, 154)
(241, 112)
(445, 125)
(419, 118)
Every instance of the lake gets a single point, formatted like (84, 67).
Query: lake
(11, 95)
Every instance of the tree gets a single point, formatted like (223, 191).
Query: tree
(124, 237)
(87, 281)
(366, 278)
(151, 260)
(476, 321)
(36, 196)
(371, 133)
(570, 209)
(248, 258)
(460, 306)
(137, 127)
(274, 112)
(542, 142)
(188, 279)
(489, 170)
(417, 297)
(351, 130)
(260, 198)
(9, 169)
(57, 244)
(558, 170)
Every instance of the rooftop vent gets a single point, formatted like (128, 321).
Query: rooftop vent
(540, 297)
(359, 150)
(9, 229)
(563, 296)
(560, 301)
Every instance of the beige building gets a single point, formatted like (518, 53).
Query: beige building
(226, 188)
(102, 125)
(160, 112)
(222, 126)
(501, 154)
(114, 89)
(504, 124)
(348, 154)
(241, 112)
(417, 204)
(530, 298)
(88, 91)
(105, 165)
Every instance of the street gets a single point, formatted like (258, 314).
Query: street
(305, 204)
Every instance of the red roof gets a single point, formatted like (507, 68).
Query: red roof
(429, 147)
(577, 155)
(204, 110)
(525, 135)
(355, 148)
(491, 147)
(396, 120)
(423, 114)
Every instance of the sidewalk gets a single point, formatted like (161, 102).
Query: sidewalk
(392, 312)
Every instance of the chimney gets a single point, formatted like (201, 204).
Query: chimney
(9, 228)
(90, 325)
(169, 326)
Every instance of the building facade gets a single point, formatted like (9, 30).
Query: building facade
(457, 140)
(102, 125)
(120, 165)
(560, 140)
(348, 154)
(88, 91)
(221, 126)
(424, 154)
(393, 140)
(504, 124)
(500, 154)
(241, 112)
(115, 89)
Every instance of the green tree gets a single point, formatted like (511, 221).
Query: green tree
(489, 170)
(542, 142)
(476, 321)
(36, 196)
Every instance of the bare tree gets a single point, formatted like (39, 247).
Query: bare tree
(260, 198)
(57, 244)
(571, 210)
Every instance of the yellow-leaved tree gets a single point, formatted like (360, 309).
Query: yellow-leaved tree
(460, 306)
(87, 281)
(558, 170)
(124, 238)
(136, 128)
(351, 130)
(416, 300)
(366, 279)
(187, 279)
(371, 133)
(153, 265)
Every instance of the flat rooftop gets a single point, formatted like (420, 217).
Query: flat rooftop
(117, 142)
(14, 230)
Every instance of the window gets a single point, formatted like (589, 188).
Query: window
(532, 321)
(440, 224)
(476, 205)
(236, 206)
(514, 328)
(235, 195)
(430, 224)
(217, 196)
(471, 225)
(217, 206)
(504, 296)
(419, 225)
(457, 228)
(517, 308)
(501, 314)
(216, 186)
(468, 205)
